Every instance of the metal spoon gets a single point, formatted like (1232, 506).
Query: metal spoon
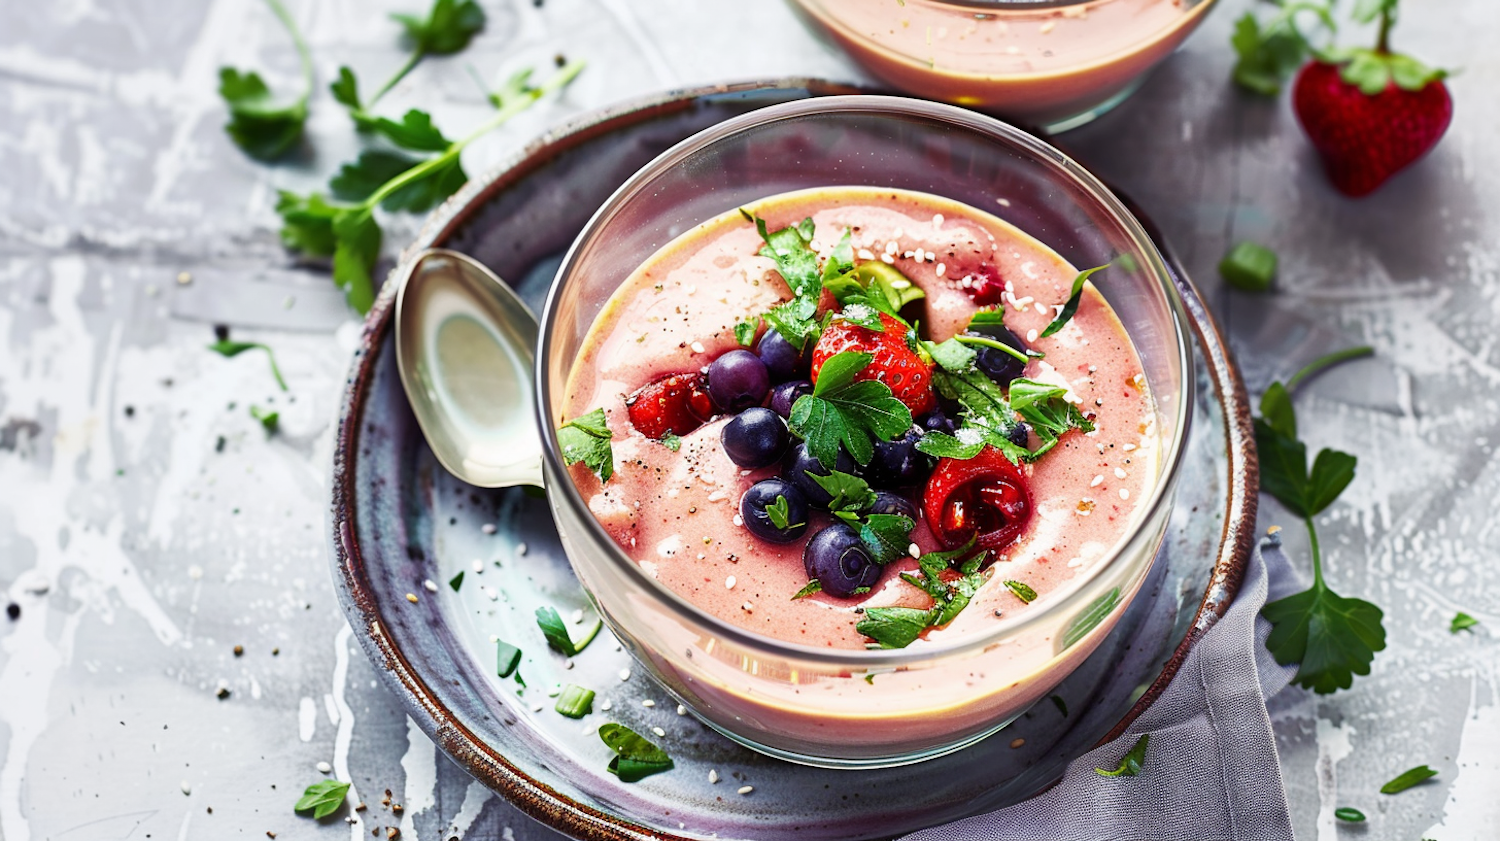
(464, 347)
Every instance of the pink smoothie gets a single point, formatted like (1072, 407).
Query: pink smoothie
(676, 513)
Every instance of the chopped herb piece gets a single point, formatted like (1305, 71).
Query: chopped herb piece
(1022, 590)
(635, 758)
(898, 627)
(849, 492)
(943, 445)
(575, 701)
(507, 658)
(886, 535)
(1407, 779)
(779, 512)
(586, 439)
(1269, 54)
(1461, 622)
(841, 259)
(991, 316)
(258, 124)
(1249, 266)
(323, 798)
(744, 332)
(456, 581)
(843, 412)
(1074, 296)
(225, 347)
(1046, 408)
(1330, 637)
(358, 180)
(557, 633)
(810, 588)
(985, 341)
(1130, 763)
(1089, 619)
(870, 678)
(872, 286)
(862, 315)
(894, 627)
(952, 355)
(268, 419)
(671, 441)
(1062, 706)
(1344, 813)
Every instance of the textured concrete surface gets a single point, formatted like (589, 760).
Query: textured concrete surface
(148, 525)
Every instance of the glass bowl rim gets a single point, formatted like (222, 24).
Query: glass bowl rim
(821, 108)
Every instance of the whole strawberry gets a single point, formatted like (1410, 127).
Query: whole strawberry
(1371, 113)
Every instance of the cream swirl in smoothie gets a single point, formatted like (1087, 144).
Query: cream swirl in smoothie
(929, 351)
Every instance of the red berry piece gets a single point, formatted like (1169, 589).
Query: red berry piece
(984, 285)
(892, 363)
(1365, 138)
(675, 404)
(984, 497)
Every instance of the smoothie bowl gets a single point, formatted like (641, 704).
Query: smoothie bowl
(861, 422)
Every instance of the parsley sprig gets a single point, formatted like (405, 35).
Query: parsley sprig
(259, 123)
(887, 536)
(1330, 637)
(1270, 53)
(586, 438)
(842, 412)
(898, 627)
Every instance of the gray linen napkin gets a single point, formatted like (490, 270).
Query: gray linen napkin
(1210, 773)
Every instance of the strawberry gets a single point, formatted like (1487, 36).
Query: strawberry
(985, 498)
(985, 285)
(1371, 113)
(894, 362)
(675, 404)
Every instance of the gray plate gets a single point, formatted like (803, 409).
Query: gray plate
(399, 520)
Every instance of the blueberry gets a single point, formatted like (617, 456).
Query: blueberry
(755, 437)
(738, 380)
(781, 359)
(783, 396)
(897, 464)
(938, 421)
(766, 493)
(997, 364)
(799, 462)
(888, 502)
(839, 560)
(1020, 434)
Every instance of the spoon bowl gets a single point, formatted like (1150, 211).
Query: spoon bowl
(464, 347)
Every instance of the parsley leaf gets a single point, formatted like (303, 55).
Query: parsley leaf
(1046, 408)
(635, 758)
(322, 798)
(1022, 591)
(797, 263)
(843, 412)
(1330, 637)
(894, 627)
(744, 332)
(268, 419)
(1407, 779)
(557, 633)
(345, 89)
(810, 588)
(671, 441)
(779, 512)
(943, 445)
(447, 29)
(886, 535)
(358, 247)
(415, 132)
(259, 124)
(1131, 762)
(898, 627)
(1268, 55)
(849, 492)
(1070, 308)
(586, 439)
(227, 348)
(1461, 622)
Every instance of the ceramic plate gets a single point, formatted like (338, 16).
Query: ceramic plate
(399, 521)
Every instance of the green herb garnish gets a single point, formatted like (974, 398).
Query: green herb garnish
(575, 701)
(557, 633)
(1062, 706)
(1074, 297)
(1249, 266)
(456, 581)
(849, 492)
(887, 536)
(744, 332)
(898, 627)
(810, 588)
(448, 28)
(323, 798)
(586, 439)
(1130, 763)
(270, 420)
(842, 411)
(1330, 637)
(1046, 408)
(779, 513)
(225, 347)
(635, 758)
(1270, 54)
(1021, 590)
(507, 658)
(1461, 622)
(260, 125)
(1344, 813)
(671, 441)
(1407, 779)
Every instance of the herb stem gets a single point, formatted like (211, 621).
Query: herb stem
(302, 52)
(1317, 366)
(1387, 20)
(980, 340)
(1317, 554)
(275, 371)
(511, 109)
(411, 63)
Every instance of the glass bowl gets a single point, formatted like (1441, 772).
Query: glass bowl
(1051, 63)
(863, 708)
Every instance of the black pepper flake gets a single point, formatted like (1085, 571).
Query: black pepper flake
(221, 332)
(219, 444)
(222, 693)
(129, 411)
(13, 611)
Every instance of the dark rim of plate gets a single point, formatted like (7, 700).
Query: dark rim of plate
(466, 747)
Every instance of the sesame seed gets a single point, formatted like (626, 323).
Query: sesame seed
(697, 347)
(713, 776)
(891, 247)
(681, 710)
(186, 787)
(1124, 493)
(887, 258)
(568, 663)
(748, 607)
(606, 705)
(746, 789)
(1128, 448)
(536, 708)
(738, 520)
(866, 254)
(325, 768)
(578, 617)
(937, 220)
(942, 269)
(1119, 473)
(478, 566)
(492, 593)
(717, 496)
(624, 674)
(914, 550)
(729, 583)
(691, 289)
(648, 703)
(411, 597)
(430, 585)
(658, 731)
(1098, 480)
(1003, 202)
(488, 528)
(520, 549)
(1031, 335)
(1047, 26)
